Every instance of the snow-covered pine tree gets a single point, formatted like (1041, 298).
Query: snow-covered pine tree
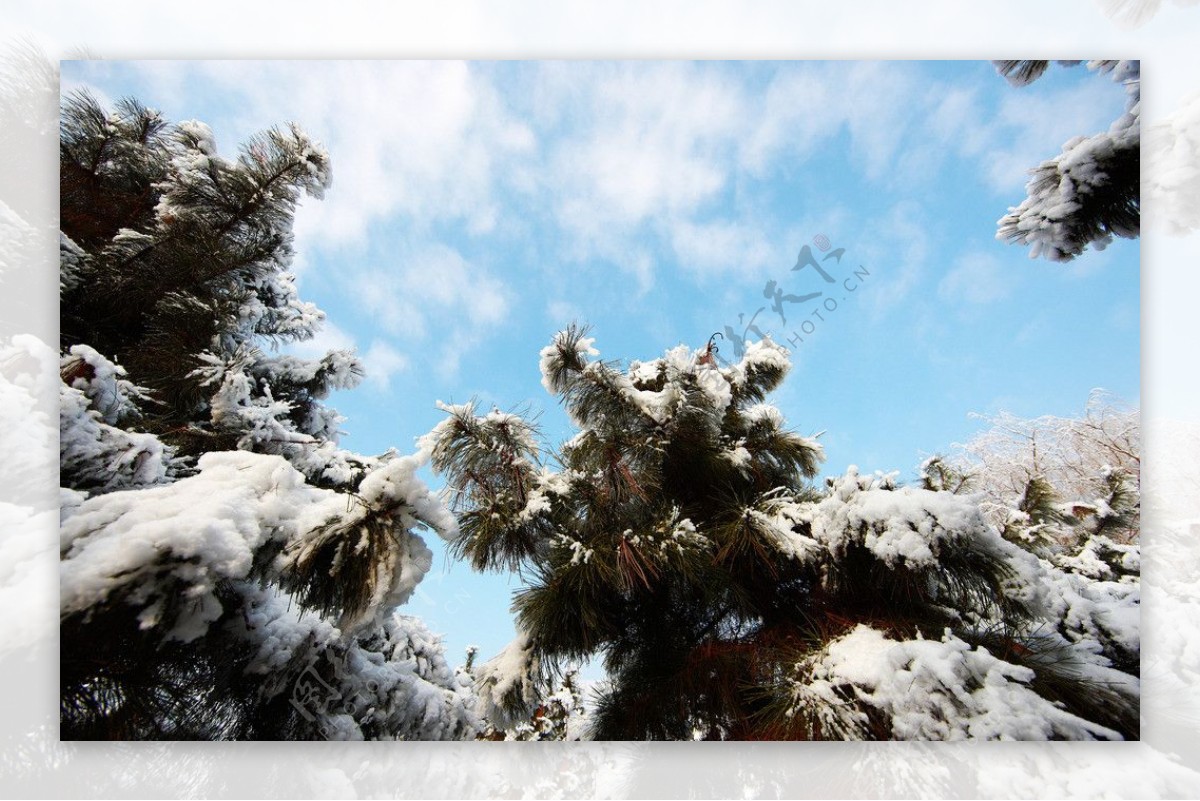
(677, 538)
(227, 570)
(175, 266)
(1091, 191)
(1067, 490)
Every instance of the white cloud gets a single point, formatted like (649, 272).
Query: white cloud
(381, 361)
(1030, 128)
(436, 299)
(435, 303)
(562, 312)
(651, 138)
(726, 247)
(417, 139)
(790, 116)
(955, 120)
(874, 104)
(632, 165)
(640, 146)
(644, 152)
(624, 163)
(329, 337)
(976, 278)
(663, 143)
(895, 249)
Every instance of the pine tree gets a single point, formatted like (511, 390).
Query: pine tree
(175, 267)
(227, 570)
(678, 538)
(1091, 191)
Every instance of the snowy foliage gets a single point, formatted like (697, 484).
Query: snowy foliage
(184, 255)
(658, 388)
(1067, 491)
(1089, 192)
(360, 558)
(1089, 468)
(1135, 13)
(187, 560)
(392, 684)
(677, 540)
(1172, 175)
(97, 454)
(925, 690)
(227, 570)
(1090, 599)
(183, 539)
(513, 706)
(108, 392)
(507, 683)
(551, 355)
(1101, 616)
(897, 525)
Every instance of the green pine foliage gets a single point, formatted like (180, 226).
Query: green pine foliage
(175, 268)
(228, 572)
(678, 538)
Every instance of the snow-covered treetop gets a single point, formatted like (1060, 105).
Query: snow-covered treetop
(683, 396)
(175, 266)
(659, 388)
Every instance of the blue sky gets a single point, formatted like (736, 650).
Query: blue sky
(478, 207)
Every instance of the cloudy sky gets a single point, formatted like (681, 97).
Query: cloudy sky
(478, 207)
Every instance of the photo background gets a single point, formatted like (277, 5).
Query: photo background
(1161, 765)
